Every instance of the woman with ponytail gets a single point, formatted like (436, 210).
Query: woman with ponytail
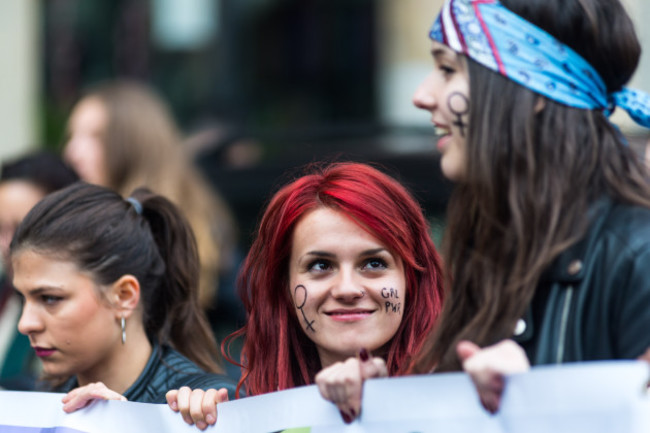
(110, 290)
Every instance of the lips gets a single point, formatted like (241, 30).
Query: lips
(349, 315)
(444, 135)
(42, 352)
(442, 142)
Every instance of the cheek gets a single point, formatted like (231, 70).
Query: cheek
(84, 317)
(299, 295)
(391, 299)
(96, 153)
(458, 108)
(305, 307)
(393, 293)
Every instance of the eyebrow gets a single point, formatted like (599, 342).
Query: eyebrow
(439, 52)
(331, 255)
(320, 254)
(37, 291)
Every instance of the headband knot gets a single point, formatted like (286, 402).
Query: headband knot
(136, 204)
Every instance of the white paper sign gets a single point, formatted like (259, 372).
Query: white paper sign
(600, 397)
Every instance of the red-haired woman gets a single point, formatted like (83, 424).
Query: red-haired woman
(342, 265)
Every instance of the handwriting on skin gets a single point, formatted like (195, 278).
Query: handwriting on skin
(392, 304)
(300, 293)
(459, 106)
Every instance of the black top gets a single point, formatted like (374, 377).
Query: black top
(166, 370)
(594, 301)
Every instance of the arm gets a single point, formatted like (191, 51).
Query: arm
(342, 383)
(488, 367)
(84, 395)
(197, 406)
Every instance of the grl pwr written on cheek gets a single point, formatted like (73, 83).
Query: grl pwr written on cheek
(392, 305)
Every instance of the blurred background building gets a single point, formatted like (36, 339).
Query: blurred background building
(259, 87)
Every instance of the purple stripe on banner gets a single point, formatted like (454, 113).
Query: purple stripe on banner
(20, 429)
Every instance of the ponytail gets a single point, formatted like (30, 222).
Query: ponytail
(172, 312)
(145, 236)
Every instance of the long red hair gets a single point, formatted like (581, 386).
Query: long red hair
(276, 353)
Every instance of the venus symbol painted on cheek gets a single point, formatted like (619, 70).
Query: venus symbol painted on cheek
(458, 104)
(300, 294)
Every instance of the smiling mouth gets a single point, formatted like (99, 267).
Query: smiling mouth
(349, 315)
(441, 131)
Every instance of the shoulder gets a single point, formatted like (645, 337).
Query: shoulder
(618, 233)
(168, 369)
(627, 227)
(184, 372)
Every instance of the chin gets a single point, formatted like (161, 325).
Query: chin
(453, 174)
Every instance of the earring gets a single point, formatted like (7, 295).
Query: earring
(123, 323)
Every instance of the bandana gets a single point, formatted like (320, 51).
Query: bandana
(502, 41)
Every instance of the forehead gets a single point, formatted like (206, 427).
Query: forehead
(89, 112)
(33, 267)
(440, 49)
(329, 228)
(441, 52)
(17, 197)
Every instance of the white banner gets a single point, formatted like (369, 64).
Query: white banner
(600, 397)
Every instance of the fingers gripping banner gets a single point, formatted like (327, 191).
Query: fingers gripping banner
(589, 397)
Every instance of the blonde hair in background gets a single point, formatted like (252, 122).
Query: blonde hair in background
(143, 147)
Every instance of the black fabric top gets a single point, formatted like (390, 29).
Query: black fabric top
(166, 370)
(593, 303)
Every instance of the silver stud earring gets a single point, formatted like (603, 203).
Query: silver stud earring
(123, 323)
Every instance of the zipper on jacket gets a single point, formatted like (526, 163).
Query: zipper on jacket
(563, 324)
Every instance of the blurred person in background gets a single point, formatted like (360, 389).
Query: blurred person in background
(23, 183)
(122, 135)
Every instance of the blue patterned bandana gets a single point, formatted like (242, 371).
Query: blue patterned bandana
(502, 41)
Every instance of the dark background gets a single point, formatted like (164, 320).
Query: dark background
(292, 81)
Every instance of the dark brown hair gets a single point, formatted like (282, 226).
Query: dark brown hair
(42, 169)
(104, 235)
(532, 175)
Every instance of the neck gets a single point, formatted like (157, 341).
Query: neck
(123, 366)
(328, 358)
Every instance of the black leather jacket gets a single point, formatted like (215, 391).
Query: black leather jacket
(166, 370)
(594, 302)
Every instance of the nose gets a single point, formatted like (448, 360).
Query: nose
(30, 321)
(423, 97)
(347, 285)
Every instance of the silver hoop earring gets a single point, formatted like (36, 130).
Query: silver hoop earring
(123, 323)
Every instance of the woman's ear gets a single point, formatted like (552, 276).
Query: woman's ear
(125, 295)
(540, 103)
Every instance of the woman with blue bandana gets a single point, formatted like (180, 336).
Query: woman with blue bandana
(548, 237)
